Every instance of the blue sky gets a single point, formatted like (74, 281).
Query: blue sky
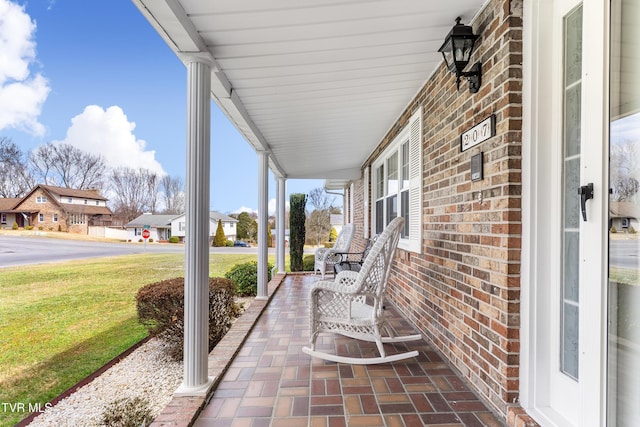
(96, 75)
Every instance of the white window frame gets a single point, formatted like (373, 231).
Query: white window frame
(411, 134)
(40, 217)
(54, 217)
(41, 199)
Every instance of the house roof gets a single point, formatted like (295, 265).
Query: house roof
(86, 209)
(7, 204)
(12, 205)
(159, 221)
(93, 194)
(215, 216)
(317, 85)
(153, 220)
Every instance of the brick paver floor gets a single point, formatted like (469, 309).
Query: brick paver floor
(271, 383)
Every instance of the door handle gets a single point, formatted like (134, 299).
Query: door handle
(586, 193)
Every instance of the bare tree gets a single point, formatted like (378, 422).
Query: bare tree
(624, 171)
(318, 226)
(318, 222)
(134, 192)
(173, 194)
(15, 177)
(319, 199)
(67, 166)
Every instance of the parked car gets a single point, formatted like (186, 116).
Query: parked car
(241, 244)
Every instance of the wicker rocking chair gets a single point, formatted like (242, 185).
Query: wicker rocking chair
(325, 258)
(352, 304)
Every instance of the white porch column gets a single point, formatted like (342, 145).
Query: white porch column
(196, 381)
(280, 226)
(263, 222)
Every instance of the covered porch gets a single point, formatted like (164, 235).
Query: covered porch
(357, 94)
(270, 382)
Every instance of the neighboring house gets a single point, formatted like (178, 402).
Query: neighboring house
(8, 216)
(51, 208)
(624, 216)
(162, 227)
(159, 227)
(337, 221)
(229, 225)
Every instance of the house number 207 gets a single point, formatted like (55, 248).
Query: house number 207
(479, 133)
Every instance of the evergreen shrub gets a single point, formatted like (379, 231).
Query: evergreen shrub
(308, 262)
(161, 309)
(245, 277)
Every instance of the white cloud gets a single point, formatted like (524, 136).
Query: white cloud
(110, 134)
(21, 93)
(245, 209)
(272, 205)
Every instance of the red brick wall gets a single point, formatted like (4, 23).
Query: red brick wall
(463, 290)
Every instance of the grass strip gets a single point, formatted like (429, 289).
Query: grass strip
(61, 322)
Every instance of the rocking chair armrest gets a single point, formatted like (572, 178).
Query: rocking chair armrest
(349, 255)
(319, 253)
(328, 254)
(343, 283)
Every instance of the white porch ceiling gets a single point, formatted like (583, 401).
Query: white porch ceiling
(317, 83)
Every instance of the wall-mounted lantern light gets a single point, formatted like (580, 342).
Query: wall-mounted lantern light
(456, 50)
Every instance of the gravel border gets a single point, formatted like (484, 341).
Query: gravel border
(147, 373)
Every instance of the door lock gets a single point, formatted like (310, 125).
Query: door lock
(586, 193)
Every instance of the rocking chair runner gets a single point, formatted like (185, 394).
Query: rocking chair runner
(325, 258)
(352, 304)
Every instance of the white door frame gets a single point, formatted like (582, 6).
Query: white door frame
(539, 260)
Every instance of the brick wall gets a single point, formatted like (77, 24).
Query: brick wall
(463, 291)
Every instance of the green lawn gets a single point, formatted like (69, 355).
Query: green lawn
(61, 322)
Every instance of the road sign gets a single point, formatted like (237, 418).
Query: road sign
(146, 234)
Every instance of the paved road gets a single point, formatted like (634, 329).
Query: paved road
(25, 250)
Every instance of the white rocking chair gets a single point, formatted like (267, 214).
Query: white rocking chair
(326, 258)
(352, 304)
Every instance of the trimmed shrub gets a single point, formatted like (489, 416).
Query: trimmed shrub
(229, 243)
(174, 239)
(308, 262)
(333, 234)
(150, 240)
(613, 229)
(161, 309)
(127, 412)
(28, 227)
(632, 230)
(219, 240)
(245, 277)
(14, 226)
(297, 217)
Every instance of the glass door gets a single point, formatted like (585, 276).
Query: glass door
(623, 400)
